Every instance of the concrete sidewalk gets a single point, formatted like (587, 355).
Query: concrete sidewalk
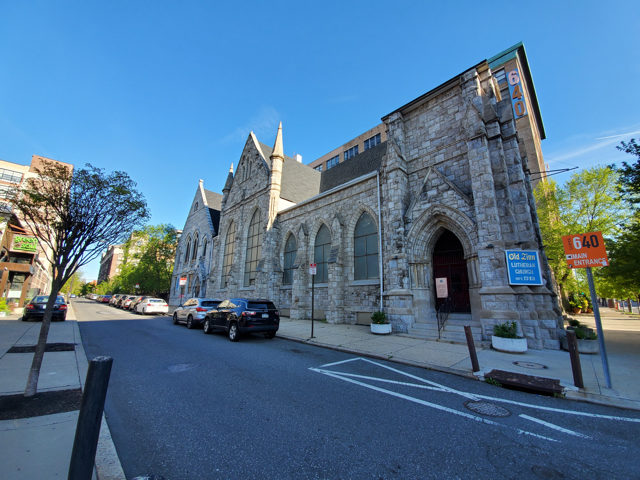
(40, 447)
(624, 358)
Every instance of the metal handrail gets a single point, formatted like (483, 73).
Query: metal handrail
(443, 313)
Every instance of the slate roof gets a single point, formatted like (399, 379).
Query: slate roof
(368, 161)
(299, 181)
(214, 203)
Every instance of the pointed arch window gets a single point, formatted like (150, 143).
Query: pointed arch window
(254, 249)
(366, 248)
(229, 248)
(204, 248)
(290, 251)
(321, 254)
(186, 255)
(195, 247)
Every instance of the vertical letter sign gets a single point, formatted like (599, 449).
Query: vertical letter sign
(517, 93)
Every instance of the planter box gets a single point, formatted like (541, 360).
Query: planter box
(381, 328)
(585, 347)
(576, 310)
(509, 345)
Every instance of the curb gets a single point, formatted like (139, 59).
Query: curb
(570, 392)
(107, 464)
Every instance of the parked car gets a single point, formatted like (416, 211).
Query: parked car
(193, 311)
(152, 305)
(36, 307)
(243, 315)
(73, 295)
(121, 301)
(114, 299)
(136, 301)
(127, 301)
(105, 298)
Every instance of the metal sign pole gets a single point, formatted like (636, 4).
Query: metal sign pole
(313, 284)
(596, 312)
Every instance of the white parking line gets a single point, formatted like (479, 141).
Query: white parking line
(429, 404)
(555, 427)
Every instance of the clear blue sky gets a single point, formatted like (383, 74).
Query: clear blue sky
(168, 91)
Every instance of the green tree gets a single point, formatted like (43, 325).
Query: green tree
(75, 213)
(149, 257)
(74, 284)
(629, 181)
(587, 202)
(87, 287)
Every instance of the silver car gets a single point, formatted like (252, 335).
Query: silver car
(192, 312)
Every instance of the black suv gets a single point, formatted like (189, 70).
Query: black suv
(243, 315)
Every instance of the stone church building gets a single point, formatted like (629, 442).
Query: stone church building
(442, 197)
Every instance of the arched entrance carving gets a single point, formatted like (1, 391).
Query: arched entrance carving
(449, 262)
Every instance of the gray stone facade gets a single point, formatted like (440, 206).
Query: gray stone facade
(453, 162)
(202, 224)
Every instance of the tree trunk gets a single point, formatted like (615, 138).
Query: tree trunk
(34, 373)
(629, 305)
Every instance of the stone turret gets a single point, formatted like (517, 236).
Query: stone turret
(227, 185)
(277, 159)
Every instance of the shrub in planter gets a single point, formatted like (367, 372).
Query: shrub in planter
(380, 323)
(505, 338)
(4, 309)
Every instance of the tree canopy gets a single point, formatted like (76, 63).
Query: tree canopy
(587, 202)
(75, 213)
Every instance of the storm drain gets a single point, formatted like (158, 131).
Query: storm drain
(538, 366)
(487, 409)
(181, 367)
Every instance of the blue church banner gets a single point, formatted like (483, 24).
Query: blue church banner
(523, 267)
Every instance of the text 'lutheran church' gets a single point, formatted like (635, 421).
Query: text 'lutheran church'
(419, 215)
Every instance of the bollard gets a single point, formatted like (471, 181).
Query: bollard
(475, 366)
(572, 342)
(85, 443)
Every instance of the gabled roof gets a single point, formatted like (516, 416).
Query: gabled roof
(299, 181)
(368, 161)
(214, 204)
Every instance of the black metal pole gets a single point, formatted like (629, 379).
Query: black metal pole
(472, 349)
(575, 359)
(313, 287)
(596, 314)
(85, 444)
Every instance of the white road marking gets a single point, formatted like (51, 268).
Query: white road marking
(428, 404)
(338, 363)
(555, 427)
(364, 377)
(451, 390)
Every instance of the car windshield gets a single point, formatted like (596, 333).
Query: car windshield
(45, 298)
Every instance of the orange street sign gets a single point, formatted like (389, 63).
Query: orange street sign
(585, 250)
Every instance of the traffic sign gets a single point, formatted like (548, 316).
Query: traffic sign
(585, 250)
(312, 268)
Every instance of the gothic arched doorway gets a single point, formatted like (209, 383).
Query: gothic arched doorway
(449, 263)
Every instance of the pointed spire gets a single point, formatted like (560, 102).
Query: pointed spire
(227, 185)
(277, 147)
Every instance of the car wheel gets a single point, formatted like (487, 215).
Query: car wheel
(175, 319)
(207, 326)
(234, 334)
(190, 322)
(63, 318)
(25, 318)
(269, 335)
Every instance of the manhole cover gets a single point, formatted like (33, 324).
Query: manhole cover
(486, 408)
(181, 367)
(537, 366)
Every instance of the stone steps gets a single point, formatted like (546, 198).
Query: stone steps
(453, 331)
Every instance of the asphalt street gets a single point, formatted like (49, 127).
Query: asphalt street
(185, 405)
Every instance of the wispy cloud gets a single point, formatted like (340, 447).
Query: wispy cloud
(264, 122)
(615, 136)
